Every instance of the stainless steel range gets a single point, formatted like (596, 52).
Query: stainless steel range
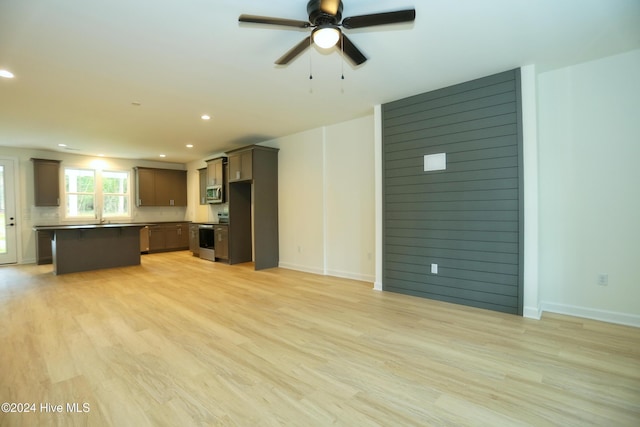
(207, 241)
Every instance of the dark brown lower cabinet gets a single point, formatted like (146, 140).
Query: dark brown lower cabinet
(194, 239)
(168, 237)
(44, 254)
(221, 246)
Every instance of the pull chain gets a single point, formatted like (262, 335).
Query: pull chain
(310, 67)
(342, 64)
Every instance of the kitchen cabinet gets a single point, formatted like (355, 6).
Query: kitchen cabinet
(161, 187)
(168, 237)
(146, 187)
(202, 175)
(215, 171)
(171, 187)
(46, 180)
(194, 239)
(241, 165)
(253, 209)
(221, 245)
(44, 254)
(157, 238)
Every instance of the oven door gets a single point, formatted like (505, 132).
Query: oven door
(207, 241)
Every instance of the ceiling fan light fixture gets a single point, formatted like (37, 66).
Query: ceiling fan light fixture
(326, 36)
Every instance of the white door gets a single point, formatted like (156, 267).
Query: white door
(8, 234)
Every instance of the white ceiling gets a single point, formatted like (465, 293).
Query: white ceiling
(80, 64)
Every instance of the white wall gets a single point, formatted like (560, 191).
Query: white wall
(301, 200)
(589, 200)
(30, 215)
(530, 171)
(350, 208)
(326, 200)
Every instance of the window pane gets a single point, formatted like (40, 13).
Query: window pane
(115, 182)
(79, 181)
(116, 205)
(80, 205)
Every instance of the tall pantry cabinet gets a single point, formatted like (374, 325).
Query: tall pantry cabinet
(253, 183)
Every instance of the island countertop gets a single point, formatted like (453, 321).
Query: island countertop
(87, 226)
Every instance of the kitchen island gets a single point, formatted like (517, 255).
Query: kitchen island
(87, 247)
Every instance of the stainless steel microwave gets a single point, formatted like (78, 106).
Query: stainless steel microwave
(214, 194)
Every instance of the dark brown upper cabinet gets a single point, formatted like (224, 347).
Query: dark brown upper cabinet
(241, 166)
(46, 179)
(161, 187)
(202, 177)
(215, 171)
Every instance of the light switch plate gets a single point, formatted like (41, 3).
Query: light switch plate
(435, 162)
(434, 268)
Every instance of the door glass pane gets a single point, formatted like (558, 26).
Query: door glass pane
(3, 224)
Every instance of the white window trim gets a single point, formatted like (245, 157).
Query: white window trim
(128, 194)
(68, 217)
(98, 197)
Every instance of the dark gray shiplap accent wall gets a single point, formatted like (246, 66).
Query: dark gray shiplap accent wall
(468, 219)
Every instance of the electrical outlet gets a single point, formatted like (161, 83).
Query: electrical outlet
(603, 279)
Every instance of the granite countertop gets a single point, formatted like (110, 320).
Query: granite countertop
(86, 226)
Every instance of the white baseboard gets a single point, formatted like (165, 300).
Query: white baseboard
(532, 312)
(335, 273)
(349, 275)
(377, 286)
(302, 268)
(592, 313)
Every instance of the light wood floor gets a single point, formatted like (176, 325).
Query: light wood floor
(179, 341)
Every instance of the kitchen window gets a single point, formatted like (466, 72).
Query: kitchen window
(91, 194)
(115, 194)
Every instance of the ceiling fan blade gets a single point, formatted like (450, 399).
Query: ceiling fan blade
(351, 50)
(253, 19)
(295, 51)
(384, 18)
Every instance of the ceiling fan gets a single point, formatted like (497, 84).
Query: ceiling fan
(325, 18)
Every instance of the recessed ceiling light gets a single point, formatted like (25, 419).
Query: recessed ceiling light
(205, 117)
(62, 145)
(136, 103)
(163, 155)
(100, 155)
(6, 74)
(189, 145)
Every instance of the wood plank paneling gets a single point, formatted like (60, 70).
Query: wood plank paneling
(468, 218)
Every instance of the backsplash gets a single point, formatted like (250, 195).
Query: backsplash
(53, 215)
